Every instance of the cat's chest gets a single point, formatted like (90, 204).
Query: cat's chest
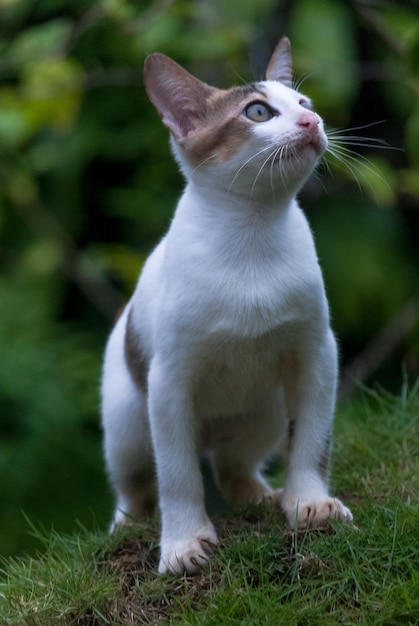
(235, 373)
(256, 306)
(248, 287)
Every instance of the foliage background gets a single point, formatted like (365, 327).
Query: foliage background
(87, 187)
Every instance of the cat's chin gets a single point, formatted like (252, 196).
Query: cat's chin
(306, 152)
(301, 159)
(311, 151)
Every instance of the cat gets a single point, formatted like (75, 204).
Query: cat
(225, 348)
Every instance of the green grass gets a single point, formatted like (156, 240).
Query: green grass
(365, 573)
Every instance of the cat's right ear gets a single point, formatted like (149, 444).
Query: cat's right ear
(179, 97)
(280, 65)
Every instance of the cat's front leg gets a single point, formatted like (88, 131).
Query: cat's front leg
(310, 388)
(188, 536)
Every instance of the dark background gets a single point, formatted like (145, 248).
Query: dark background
(88, 186)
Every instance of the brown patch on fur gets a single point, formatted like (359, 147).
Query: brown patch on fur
(141, 492)
(242, 489)
(134, 356)
(224, 130)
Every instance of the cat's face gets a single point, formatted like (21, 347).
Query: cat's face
(256, 140)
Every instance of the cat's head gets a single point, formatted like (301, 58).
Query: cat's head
(256, 139)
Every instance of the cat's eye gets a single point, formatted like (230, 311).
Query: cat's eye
(306, 105)
(258, 112)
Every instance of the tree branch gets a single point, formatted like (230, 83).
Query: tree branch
(379, 348)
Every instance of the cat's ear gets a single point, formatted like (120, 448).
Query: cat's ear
(280, 65)
(179, 97)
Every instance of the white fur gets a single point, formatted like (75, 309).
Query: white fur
(231, 314)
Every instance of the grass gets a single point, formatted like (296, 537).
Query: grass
(366, 573)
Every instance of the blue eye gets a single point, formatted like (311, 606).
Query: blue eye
(258, 112)
(306, 105)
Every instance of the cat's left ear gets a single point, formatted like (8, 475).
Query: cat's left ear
(280, 65)
(179, 97)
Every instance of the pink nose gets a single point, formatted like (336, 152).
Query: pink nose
(308, 120)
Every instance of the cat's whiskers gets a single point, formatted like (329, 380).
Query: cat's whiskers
(211, 157)
(278, 155)
(341, 132)
(341, 141)
(344, 157)
(289, 153)
(259, 172)
(282, 154)
(338, 142)
(324, 166)
(275, 158)
(351, 160)
(298, 84)
(271, 155)
(358, 140)
(254, 156)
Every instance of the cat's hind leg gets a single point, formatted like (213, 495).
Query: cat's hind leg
(127, 441)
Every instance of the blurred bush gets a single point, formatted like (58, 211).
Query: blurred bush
(88, 186)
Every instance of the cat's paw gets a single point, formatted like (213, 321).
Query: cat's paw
(315, 513)
(188, 555)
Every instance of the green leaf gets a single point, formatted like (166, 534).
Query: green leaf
(52, 91)
(13, 124)
(6, 4)
(21, 189)
(168, 34)
(43, 258)
(395, 21)
(40, 41)
(118, 10)
(51, 77)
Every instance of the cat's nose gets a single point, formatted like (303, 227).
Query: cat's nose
(308, 120)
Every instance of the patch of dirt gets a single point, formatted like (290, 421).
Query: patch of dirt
(147, 598)
(134, 558)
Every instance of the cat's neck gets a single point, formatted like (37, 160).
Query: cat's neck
(234, 233)
(221, 202)
(206, 213)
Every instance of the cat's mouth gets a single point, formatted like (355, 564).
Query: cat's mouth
(299, 151)
(312, 146)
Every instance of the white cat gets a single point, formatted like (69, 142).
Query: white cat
(225, 348)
